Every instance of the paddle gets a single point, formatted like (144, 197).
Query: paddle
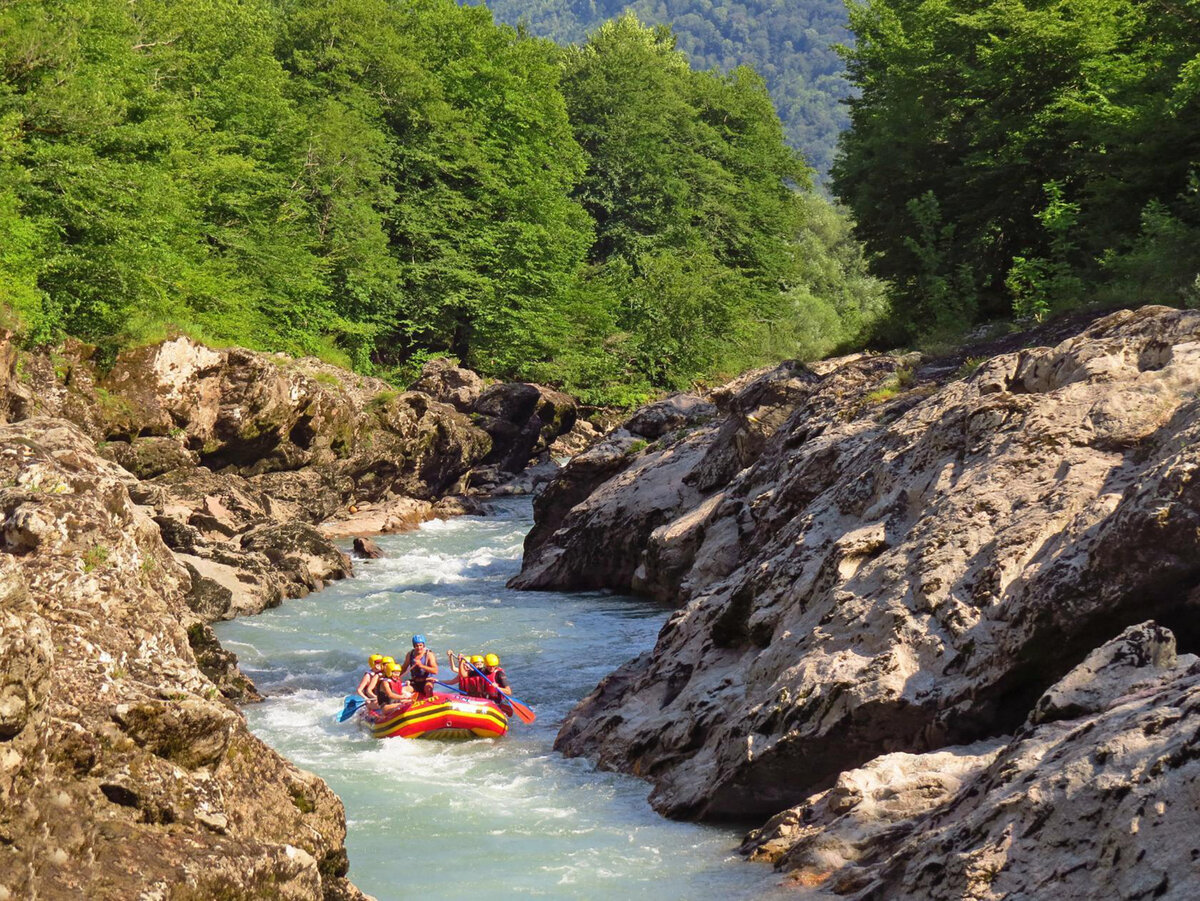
(353, 702)
(526, 715)
(453, 688)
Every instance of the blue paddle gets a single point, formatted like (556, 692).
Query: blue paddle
(353, 702)
(453, 688)
(522, 709)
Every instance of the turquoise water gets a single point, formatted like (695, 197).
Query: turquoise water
(481, 818)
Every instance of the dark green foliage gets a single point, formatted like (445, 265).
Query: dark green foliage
(791, 45)
(381, 181)
(1000, 152)
(696, 202)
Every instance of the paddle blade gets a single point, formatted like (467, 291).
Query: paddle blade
(352, 705)
(526, 715)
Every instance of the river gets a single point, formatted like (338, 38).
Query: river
(480, 818)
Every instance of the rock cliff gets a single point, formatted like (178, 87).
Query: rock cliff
(124, 772)
(872, 558)
(141, 502)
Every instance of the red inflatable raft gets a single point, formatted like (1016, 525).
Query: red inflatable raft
(440, 716)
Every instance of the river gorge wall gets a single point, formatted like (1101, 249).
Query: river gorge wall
(143, 501)
(935, 621)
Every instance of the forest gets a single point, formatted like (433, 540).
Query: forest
(380, 182)
(1009, 160)
(383, 181)
(793, 46)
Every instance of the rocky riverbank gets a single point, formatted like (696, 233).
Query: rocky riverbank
(140, 503)
(928, 616)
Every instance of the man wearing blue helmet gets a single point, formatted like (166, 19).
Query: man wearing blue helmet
(421, 665)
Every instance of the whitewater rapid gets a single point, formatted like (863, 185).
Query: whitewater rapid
(492, 818)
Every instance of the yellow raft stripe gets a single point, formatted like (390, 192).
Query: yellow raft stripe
(416, 717)
(440, 713)
(404, 717)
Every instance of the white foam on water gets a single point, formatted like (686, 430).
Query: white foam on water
(533, 821)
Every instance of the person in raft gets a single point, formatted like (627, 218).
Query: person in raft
(391, 688)
(467, 679)
(366, 685)
(496, 682)
(421, 665)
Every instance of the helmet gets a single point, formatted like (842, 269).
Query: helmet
(387, 661)
(373, 659)
(477, 660)
(491, 660)
(392, 667)
(418, 639)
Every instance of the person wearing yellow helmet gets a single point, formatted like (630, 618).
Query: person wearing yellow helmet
(495, 681)
(468, 680)
(392, 690)
(366, 685)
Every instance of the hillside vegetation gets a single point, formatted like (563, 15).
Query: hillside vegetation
(379, 181)
(1018, 158)
(791, 45)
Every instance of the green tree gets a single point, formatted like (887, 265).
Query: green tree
(982, 106)
(693, 193)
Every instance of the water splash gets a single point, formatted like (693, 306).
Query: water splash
(507, 817)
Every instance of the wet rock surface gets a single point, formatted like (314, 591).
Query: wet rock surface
(871, 562)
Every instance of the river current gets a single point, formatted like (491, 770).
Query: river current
(482, 818)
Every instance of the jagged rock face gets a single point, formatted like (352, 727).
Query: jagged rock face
(245, 551)
(1091, 801)
(523, 421)
(901, 570)
(449, 384)
(575, 516)
(265, 417)
(122, 768)
(262, 415)
(412, 446)
(867, 810)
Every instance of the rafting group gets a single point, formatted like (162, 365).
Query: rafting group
(475, 703)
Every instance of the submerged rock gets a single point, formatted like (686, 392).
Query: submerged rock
(367, 549)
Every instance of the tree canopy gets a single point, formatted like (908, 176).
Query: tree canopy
(1023, 156)
(379, 181)
(791, 45)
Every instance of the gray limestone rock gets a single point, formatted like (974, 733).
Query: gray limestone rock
(901, 565)
(120, 755)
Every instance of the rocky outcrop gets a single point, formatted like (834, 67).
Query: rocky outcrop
(1087, 800)
(523, 421)
(230, 442)
(612, 518)
(898, 566)
(124, 770)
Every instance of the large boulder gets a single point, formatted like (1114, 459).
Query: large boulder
(409, 445)
(523, 421)
(1083, 801)
(449, 384)
(904, 565)
(124, 770)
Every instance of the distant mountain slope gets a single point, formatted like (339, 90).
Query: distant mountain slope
(788, 43)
